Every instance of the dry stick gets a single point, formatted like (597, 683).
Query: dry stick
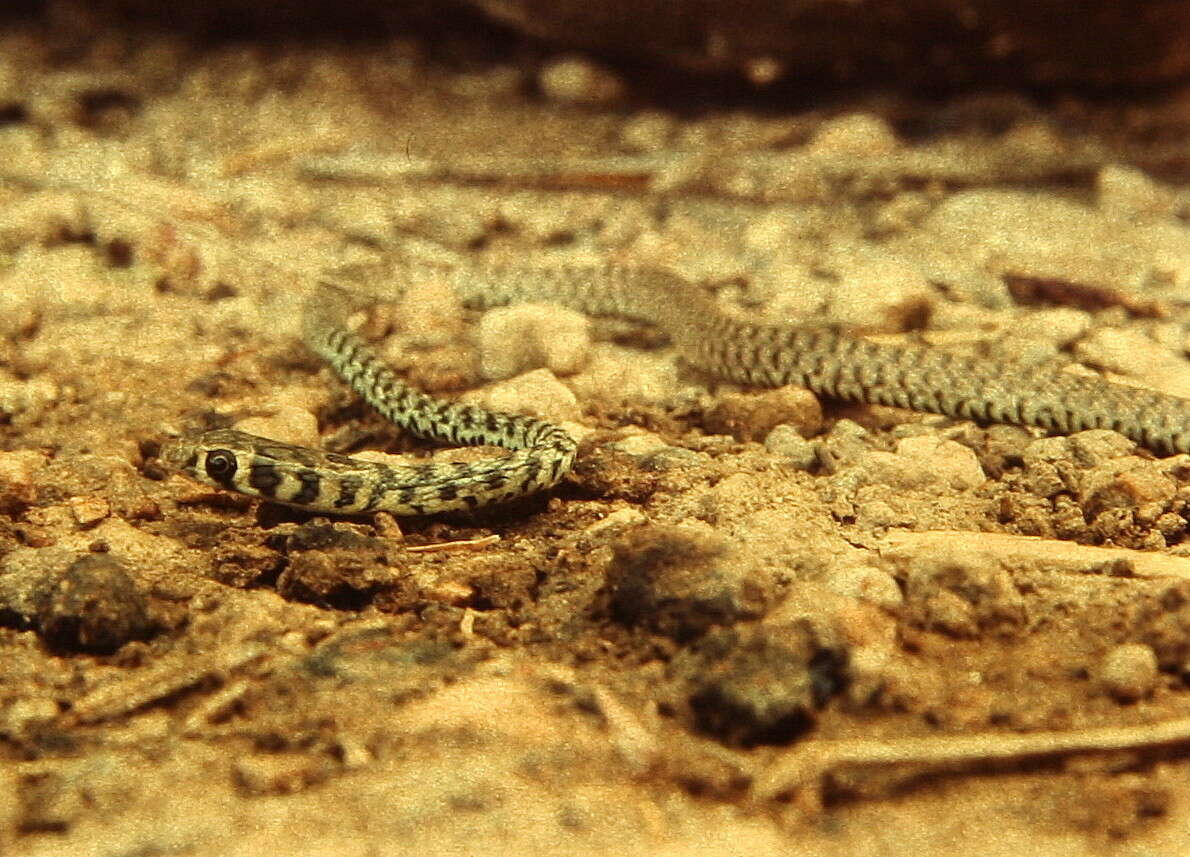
(1034, 552)
(812, 760)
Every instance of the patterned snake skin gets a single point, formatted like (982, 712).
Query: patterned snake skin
(827, 362)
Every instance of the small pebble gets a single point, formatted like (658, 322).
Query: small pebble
(679, 581)
(858, 134)
(28, 713)
(879, 292)
(94, 606)
(289, 425)
(431, 314)
(867, 583)
(277, 774)
(1129, 192)
(612, 375)
(1059, 325)
(871, 515)
(17, 486)
(1129, 671)
(637, 445)
(617, 521)
(453, 592)
(536, 393)
(48, 802)
(518, 338)
(577, 80)
(847, 440)
(88, 511)
(752, 416)
(787, 441)
(27, 398)
(1098, 445)
(759, 685)
(920, 463)
(648, 131)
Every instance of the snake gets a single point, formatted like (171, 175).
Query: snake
(707, 336)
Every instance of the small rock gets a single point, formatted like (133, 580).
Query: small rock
(537, 393)
(867, 583)
(577, 80)
(751, 416)
(27, 399)
(1129, 192)
(859, 134)
(868, 674)
(621, 519)
(1048, 470)
(1129, 671)
(515, 339)
(453, 592)
(17, 487)
(640, 444)
(962, 595)
(648, 131)
(613, 375)
(759, 686)
(1135, 353)
(847, 441)
(787, 441)
(29, 713)
(42, 218)
(288, 424)
(920, 463)
(94, 606)
(879, 292)
(679, 581)
(876, 514)
(245, 559)
(88, 511)
(333, 564)
(1095, 446)
(1136, 485)
(48, 803)
(1058, 325)
(431, 314)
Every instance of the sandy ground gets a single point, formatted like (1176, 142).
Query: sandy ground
(747, 623)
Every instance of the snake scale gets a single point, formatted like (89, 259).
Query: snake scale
(706, 336)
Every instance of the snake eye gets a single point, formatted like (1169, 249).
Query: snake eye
(220, 464)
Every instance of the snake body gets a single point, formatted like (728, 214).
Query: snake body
(712, 340)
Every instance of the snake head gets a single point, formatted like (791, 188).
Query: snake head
(209, 457)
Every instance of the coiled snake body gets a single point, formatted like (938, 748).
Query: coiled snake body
(707, 337)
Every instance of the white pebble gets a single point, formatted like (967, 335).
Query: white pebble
(528, 336)
(616, 375)
(856, 134)
(577, 80)
(1129, 192)
(288, 425)
(879, 291)
(1129, 671)
(924, 461)
(648, 131)
(645, 443)
(621, 519)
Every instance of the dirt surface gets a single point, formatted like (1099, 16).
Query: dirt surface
(748, 622)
